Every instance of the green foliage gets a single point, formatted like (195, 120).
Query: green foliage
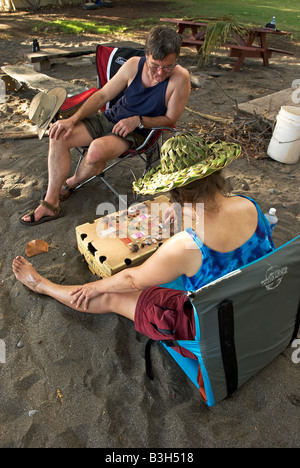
(76, 27)
(254, 12)
(219, 32)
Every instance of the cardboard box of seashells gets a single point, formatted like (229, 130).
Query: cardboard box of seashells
(125, 238)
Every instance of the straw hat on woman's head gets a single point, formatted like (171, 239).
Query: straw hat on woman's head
(185, 158)
(44, 107)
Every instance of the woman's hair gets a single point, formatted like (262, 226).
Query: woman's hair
(162, 41)
(201, 190)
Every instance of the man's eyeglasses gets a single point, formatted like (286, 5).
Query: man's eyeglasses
(154, 68)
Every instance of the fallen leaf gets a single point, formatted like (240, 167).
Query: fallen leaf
(36, 247)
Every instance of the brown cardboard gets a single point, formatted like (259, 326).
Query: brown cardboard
(107, 242)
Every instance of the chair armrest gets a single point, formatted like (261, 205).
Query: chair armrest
(152, 133)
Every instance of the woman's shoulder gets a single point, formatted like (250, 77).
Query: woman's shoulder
(181, 241)
(184, 245)
(243, 205)
(244, 200)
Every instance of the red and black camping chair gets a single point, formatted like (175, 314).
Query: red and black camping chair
(108, 62)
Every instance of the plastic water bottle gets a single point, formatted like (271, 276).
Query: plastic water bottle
(272, 24)
(272, 218)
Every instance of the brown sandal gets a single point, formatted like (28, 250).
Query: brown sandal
(55, 210)
(69, 192)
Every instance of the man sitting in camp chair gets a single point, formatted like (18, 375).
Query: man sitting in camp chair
(157, 90)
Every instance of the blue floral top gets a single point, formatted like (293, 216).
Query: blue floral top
(216, 264)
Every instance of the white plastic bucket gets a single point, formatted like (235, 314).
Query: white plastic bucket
(285, 142)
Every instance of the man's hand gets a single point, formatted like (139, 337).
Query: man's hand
(126, 126)
(61, 127)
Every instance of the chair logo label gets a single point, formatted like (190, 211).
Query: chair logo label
(120, 60)
(274, 277)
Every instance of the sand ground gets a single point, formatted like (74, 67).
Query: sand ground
(97, 363)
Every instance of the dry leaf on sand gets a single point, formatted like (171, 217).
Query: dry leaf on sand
(36, 247)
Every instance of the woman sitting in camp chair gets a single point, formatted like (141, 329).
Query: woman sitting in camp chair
(235, 233)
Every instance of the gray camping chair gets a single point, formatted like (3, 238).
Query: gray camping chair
(244, 320)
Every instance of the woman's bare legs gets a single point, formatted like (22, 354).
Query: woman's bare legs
(122, 304)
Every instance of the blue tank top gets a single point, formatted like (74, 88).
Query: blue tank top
(216, 264)
(138, 100)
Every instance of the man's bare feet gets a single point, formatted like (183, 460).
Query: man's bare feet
(28, 276)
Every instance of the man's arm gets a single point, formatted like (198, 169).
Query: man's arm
(177, 97)
(95, 102)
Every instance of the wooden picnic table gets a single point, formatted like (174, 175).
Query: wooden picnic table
(41, 59)
(251, 43)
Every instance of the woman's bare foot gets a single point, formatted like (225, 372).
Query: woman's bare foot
(28, 276)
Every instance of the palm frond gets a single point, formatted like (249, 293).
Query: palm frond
(218, 33)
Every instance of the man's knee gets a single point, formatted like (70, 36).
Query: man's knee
(96, 153)
(105, 148)
(60, 144)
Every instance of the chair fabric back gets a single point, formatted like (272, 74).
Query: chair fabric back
(244, 320)
(109, 60)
